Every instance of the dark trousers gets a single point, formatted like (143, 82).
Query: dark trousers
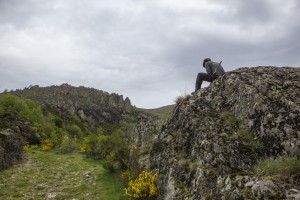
(204, 77)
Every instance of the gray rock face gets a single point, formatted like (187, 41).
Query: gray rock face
(11, 148)
(209, 146)
(142, 135)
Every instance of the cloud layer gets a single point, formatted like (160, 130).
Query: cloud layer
(148, 50)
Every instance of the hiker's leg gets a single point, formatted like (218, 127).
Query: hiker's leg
(203, 77)
(199, 81)
(208, 77)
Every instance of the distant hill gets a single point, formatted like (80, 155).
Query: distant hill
(162, 112)
(96, 105)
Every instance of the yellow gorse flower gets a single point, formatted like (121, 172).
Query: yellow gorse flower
(143, 187)
(26, 147)
(47, 145)
(83, 148)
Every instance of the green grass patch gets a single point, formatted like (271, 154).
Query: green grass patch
(284, 168)
(59, 176)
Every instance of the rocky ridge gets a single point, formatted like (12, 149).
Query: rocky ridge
(95, 105)
(208, 148)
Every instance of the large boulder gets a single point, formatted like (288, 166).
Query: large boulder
(209, 146)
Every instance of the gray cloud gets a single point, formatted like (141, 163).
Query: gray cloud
(148, 50)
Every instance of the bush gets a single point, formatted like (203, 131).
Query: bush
(68, 145)
(74, 130)
(27, 115)
(47, 145)
(83, 148)
(102, 146)
(26, 147)
(111, 166)
(143, 187)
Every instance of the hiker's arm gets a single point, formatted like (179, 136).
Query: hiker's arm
(208, 68)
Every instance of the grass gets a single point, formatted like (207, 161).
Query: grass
(47, 175)
(182, 99)
(284, 168)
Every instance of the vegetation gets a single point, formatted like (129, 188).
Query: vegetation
(53, 142)
(14, 109)
(244, 135)
(142, 188)
(284, 168)
(162, 112)
(182, 99)
(50, 132)
(48, 175)
(229, 119)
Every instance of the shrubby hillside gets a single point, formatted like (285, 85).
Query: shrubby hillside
(63, 117)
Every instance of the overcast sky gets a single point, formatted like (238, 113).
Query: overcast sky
(147, 50)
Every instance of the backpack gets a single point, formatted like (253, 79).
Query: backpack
(214, 73)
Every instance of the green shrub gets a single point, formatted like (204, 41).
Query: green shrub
(74, 130)
(58, 122)
(68, 145)
(14, 109)
(111, 166)
(112, 146)
(26, 114)
(129, 118)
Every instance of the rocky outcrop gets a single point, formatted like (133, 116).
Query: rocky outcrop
(144, 129)
(209, 146)
(88, 103)
(11, 148)
(142, 135)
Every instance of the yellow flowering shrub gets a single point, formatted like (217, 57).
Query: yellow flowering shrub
(26, 147)
(143, 188)
(47, 145)
(83, 148)
(34, 147)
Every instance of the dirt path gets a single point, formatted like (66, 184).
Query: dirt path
(47, 175)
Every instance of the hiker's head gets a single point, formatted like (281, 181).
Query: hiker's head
(206, 60)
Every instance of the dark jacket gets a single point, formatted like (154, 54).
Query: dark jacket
(214, 68)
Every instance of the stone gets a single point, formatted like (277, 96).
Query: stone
(264, 124)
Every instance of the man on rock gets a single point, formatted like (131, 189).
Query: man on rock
(213, 69)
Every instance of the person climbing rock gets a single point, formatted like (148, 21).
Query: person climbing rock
(213, 71)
